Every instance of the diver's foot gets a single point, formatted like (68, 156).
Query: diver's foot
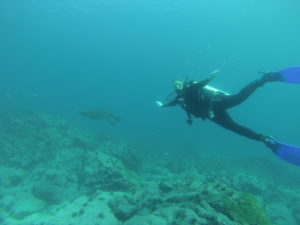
(269, 142)
(270, 77)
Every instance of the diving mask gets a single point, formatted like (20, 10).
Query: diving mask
(178, 84)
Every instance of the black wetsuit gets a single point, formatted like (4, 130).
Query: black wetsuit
(199, 102)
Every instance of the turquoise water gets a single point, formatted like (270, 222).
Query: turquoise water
(57, 57)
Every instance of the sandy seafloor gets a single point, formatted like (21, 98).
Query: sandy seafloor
(54, 174)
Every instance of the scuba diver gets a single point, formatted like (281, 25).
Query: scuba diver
(200, 100)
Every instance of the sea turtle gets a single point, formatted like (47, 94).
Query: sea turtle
(100, 114)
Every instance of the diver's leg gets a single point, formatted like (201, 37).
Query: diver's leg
(228, 101)
(223, 119)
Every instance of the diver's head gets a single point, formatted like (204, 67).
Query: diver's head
(178, 85)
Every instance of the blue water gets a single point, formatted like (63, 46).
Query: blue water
(61, 56)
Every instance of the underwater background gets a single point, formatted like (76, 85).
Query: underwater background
(59, 57)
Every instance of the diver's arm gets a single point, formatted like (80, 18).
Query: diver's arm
(172, 103)
(175, 102)
(209, 79)
(202, 83)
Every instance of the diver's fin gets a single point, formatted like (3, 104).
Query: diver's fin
(287, 152)
(290, 75)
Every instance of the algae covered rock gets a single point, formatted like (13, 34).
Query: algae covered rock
(104, 172)
(247, 210)
(241, 207)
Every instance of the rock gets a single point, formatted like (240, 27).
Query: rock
(248, 183)
(104, 172)
(11, 177)
(147, 220)
(49, 193)
(165, 187)
(122, 209)
(25, 205)
(280, 214)
(7, 203)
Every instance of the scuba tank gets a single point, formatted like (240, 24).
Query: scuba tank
(214, 90)
(211, 93)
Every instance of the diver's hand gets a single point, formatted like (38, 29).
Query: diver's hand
(159, 103)
(189, 121)
(213, 74)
